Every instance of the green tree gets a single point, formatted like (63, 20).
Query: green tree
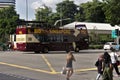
(43, 14)
(66, 9)
(80, 15)
(53, 18)
(8, 23)
(92, 11)
(112, 11)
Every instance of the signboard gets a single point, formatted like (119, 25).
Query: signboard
(114, 34)
(52, 31)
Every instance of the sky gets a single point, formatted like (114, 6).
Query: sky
(34, 4)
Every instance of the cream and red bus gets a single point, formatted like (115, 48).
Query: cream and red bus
(39, 39)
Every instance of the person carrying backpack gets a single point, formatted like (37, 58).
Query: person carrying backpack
(107, 67)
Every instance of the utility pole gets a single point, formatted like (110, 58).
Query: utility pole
(61, 15)
(117, 36)
(26, 10)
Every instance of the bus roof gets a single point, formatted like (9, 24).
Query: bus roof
(41, 24)
(20, 22)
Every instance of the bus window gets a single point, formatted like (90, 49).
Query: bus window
(65, 39)
(39, 37)
(59, 38)
(55, 38)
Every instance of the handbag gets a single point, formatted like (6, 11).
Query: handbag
(63, 70)
(118, 62)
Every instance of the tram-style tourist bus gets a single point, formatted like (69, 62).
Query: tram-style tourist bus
(39, 39)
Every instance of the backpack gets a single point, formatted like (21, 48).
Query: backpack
(97, 63)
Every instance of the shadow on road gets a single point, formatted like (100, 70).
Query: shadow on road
(91, 51)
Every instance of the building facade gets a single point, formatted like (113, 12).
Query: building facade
(6, 3)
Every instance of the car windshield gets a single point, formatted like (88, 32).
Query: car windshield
(111, 43)
(107, 44)
(114, 44)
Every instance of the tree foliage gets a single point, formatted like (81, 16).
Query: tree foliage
(8, 18)
(112, 11)
(92, 11)
(66, 9)
(43, 13)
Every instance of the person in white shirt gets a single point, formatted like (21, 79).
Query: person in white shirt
(114, 59)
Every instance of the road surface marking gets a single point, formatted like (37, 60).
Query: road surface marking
(45, 71)
(24, 67)
(87, 69)
(48, 63)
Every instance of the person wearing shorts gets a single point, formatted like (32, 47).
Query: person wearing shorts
(69, 65)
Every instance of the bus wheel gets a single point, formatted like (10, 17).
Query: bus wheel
(37, 51)
(77, 49)
(67, 51)
(45, 50)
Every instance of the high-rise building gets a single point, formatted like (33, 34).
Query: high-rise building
(6, 3)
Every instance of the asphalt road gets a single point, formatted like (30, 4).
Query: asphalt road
(15, 65)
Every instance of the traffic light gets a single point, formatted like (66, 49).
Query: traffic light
(117, 32)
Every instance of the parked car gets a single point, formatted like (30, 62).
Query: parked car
(109, 45)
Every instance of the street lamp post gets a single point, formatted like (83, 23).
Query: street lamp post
(61, 15)
(60, 20)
